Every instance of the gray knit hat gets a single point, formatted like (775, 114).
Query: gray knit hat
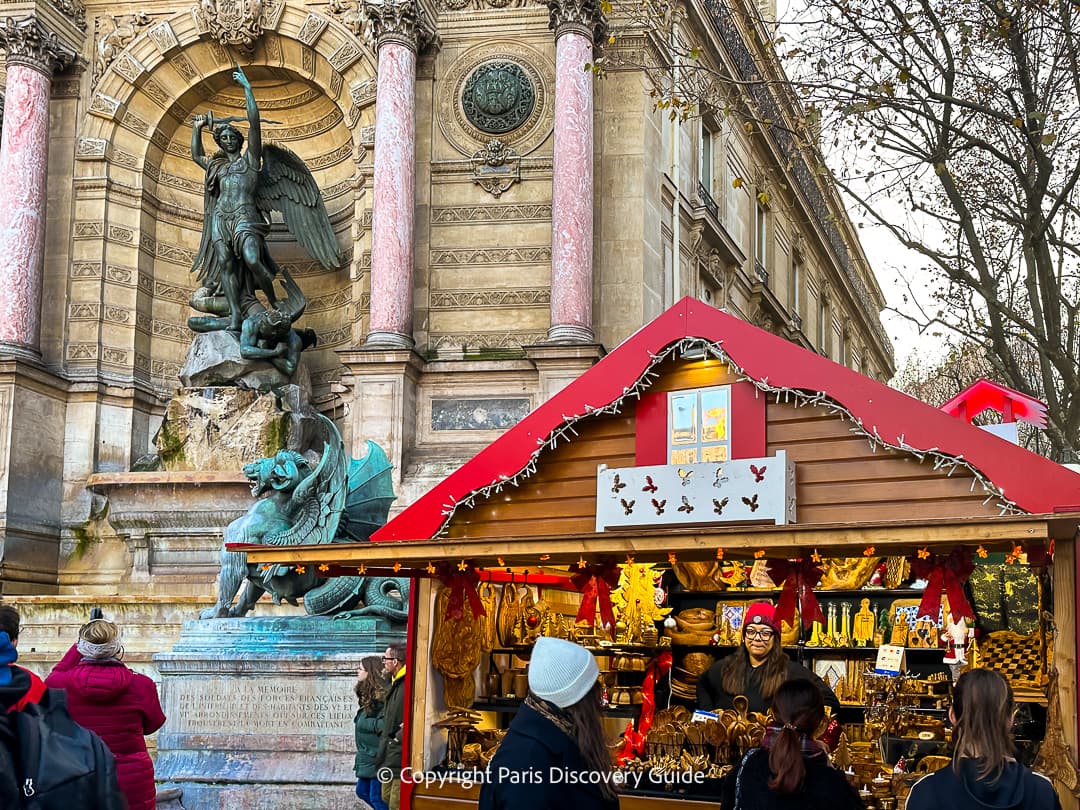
(561, 672)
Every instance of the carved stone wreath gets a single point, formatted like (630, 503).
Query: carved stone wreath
(497, 88)
(498, 97)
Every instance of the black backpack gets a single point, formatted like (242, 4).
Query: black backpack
(61, 765)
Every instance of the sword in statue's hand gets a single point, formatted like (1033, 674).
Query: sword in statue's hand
(213, 121)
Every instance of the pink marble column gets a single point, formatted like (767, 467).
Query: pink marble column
(399, 32)
(576, 23)
(32, 55)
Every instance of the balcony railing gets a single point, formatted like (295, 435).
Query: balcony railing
(762, 273)
(708, 201)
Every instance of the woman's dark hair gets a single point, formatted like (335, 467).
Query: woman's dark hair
(587, 730)
(799, 708)
(371, 691)
(983, 715)
(735, 670)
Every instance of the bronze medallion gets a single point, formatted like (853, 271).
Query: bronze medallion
(498, 97)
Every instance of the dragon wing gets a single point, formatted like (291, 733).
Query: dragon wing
(371, 492)
(286, 185)
(318, 500)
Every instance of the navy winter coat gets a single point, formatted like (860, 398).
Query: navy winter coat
(535, 767)
(1018, 788)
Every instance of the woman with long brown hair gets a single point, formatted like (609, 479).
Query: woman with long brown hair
(791, 770)
(757, 668)
(554, 755)
(984, 773)
(371, 687)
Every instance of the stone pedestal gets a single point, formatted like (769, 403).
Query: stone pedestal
(260, 710)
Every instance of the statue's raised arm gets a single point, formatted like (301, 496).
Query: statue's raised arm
(254, 148)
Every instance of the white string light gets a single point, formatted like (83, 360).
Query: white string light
(800, 397)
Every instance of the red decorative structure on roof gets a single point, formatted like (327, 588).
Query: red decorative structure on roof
(889, 417)
(984, 395)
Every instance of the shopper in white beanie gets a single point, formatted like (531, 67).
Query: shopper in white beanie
(554, 755)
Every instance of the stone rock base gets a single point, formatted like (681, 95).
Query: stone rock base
(220, 429)
(260, 710)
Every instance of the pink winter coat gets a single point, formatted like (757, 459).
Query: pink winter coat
(120, 706)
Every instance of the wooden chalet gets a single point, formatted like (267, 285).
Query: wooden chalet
(874, 470)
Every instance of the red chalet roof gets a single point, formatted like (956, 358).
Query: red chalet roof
(1034, 483)
(984, 394)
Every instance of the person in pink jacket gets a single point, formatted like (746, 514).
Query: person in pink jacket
(119, 705)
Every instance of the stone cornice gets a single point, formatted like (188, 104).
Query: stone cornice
(30, 43)
(402, 21)
(579, 16)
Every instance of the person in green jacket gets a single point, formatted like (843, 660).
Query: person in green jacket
(371, 685)
(388, 762)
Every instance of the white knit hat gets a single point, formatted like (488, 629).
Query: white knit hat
(561, 672)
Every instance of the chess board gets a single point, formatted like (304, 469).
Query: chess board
(1020, 658)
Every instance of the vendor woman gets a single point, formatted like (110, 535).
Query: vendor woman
(756, 669)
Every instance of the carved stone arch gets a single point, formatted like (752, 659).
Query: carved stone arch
(134, 139)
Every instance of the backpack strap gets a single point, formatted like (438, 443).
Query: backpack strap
(739, 776)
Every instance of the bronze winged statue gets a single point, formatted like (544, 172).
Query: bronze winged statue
(243, 186)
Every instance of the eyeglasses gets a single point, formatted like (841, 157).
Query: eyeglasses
(759, 635)
(390, 658)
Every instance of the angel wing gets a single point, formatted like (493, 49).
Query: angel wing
(286, 185)
(318, 500)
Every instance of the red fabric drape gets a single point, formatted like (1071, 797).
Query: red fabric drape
(462, 585)
(634, 741)
(595, 582)
(798, 578)
(945, 574)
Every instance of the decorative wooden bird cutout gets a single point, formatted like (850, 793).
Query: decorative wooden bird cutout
(649, 485)
(659, 505)
(685, 475)
(628, 506)
(617, 484)
(751, 502)
(759, 473)
(686, 506)
(718, 506)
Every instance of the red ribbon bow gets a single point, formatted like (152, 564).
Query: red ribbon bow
(462, 585)
(595, 583)
(945, 574)
(799, 578)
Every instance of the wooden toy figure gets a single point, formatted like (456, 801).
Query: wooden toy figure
(955, 637)
(863, 633)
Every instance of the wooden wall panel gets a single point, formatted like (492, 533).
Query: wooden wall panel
(561, 497)
(839, 479)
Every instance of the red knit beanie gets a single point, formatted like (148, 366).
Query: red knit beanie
(762, 613)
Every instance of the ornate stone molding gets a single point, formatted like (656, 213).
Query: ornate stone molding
(401, 21)
(75, 9)
(114, 33)
(496, 167)
(238, 23)
(579, 16)
(29, 43)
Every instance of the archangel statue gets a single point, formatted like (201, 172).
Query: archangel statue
(301, 501)
(243, 186)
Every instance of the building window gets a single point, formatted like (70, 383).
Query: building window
(761, 242)
(699, 425)
(823, 324)
(796, 288)
(705, 169)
